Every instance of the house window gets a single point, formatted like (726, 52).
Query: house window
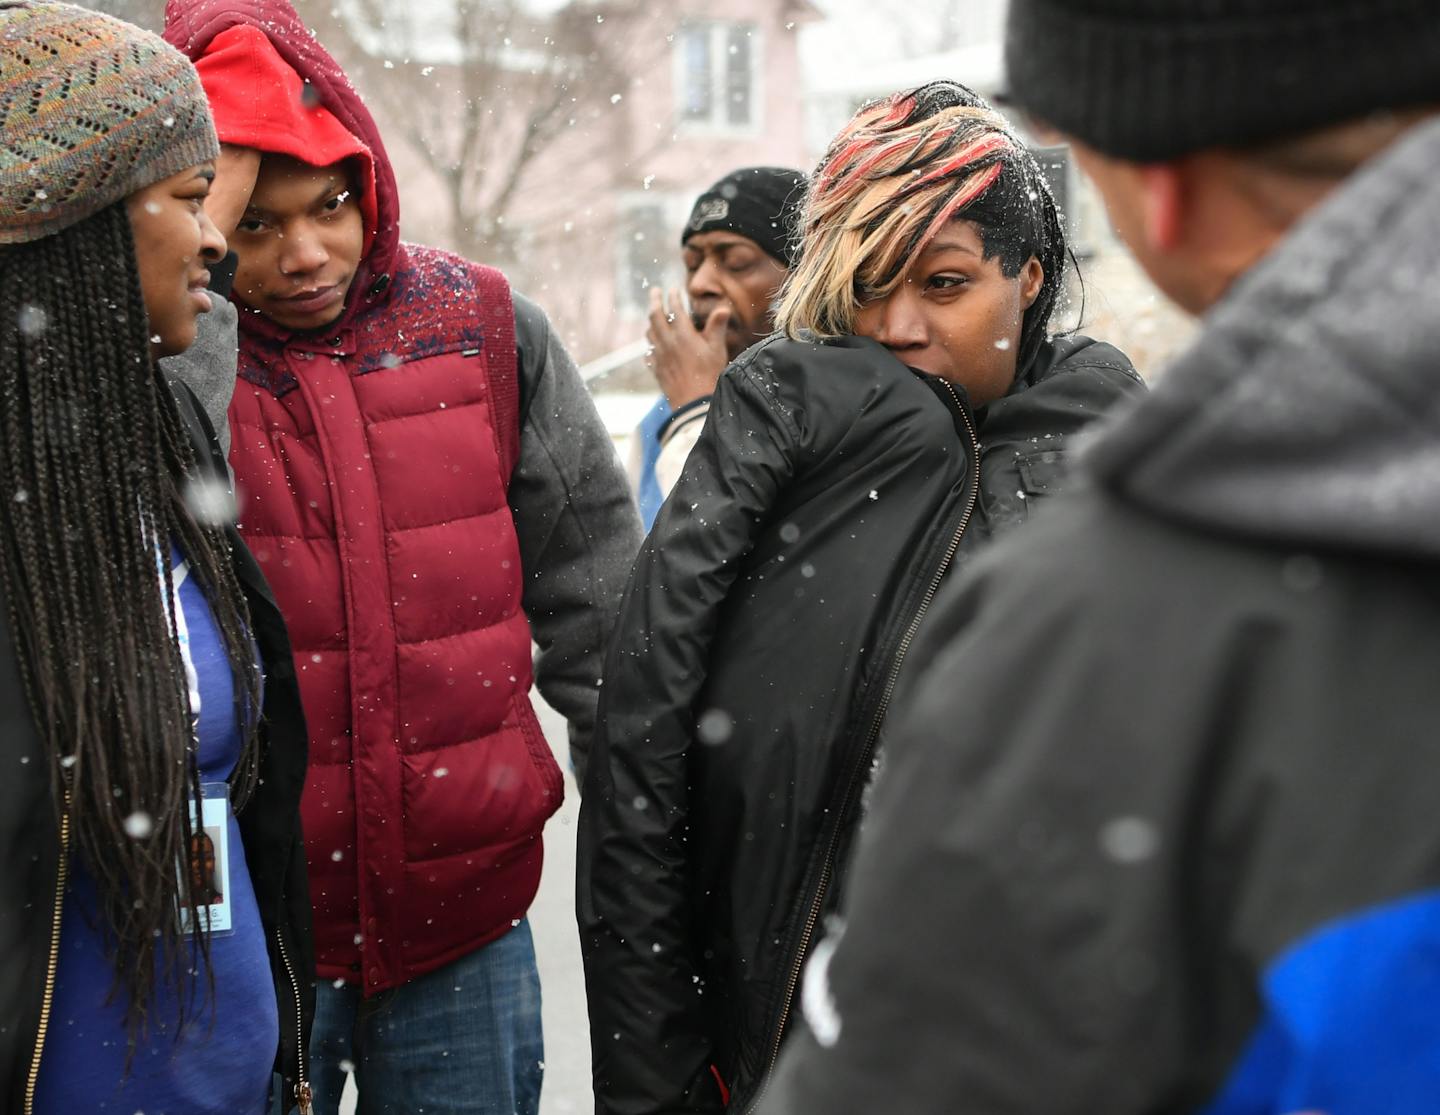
(643, 254)
(717, 74)
(739, 75)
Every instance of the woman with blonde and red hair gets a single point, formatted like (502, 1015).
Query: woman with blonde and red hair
(914, 406)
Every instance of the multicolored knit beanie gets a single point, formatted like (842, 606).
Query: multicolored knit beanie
(92, 109)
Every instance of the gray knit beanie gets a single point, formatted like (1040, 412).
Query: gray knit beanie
(92, 109)
(1149, 80)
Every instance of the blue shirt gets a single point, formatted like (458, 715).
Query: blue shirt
(220, 1063)
(650, 497)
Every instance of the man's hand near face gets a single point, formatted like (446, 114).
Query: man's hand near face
(687, 361)
(235, 172)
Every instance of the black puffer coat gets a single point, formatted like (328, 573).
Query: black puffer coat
(757, 650)
(30, 844)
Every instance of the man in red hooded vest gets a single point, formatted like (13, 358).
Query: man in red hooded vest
(427, 486)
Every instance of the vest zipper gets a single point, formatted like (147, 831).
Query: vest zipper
(52, 963)
(303, 1094)
(827, 866)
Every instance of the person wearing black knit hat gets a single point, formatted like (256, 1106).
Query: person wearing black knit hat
(1210, 881)
(759, 203)
(738, 244)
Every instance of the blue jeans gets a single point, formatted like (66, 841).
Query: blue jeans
(465, 1039)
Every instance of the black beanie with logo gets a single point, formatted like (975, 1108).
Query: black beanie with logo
(758, 202)
(1150, 80)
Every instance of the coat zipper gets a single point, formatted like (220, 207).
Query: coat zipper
(61, 872)
(303, 1094)
(827, 866)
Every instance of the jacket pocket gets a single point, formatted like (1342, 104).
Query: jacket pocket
(541, 756)
(1042, 473)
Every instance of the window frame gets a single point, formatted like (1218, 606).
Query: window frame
(632, 300)
(718, 122)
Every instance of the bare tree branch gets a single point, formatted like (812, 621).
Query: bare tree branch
(490, 90)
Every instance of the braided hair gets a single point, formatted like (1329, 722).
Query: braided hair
(94, 468)
(903, 167)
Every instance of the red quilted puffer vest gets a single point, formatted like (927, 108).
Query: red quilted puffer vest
(373, 467)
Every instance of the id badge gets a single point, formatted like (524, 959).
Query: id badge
(209, 864)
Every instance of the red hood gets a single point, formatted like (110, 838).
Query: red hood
(190, 25)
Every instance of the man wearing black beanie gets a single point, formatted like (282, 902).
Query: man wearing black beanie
(1200, 870)
(738, 247)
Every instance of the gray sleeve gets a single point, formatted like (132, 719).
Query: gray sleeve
(208, 366)
(578, 527)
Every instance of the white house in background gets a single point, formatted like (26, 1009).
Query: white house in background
(697, 89)
(692, 90)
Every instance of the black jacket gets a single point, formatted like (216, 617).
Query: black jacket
(270, 826)
(1160, 833)
(758, 648)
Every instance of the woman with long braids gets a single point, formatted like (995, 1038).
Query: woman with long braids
(915, 406)
(154, 921)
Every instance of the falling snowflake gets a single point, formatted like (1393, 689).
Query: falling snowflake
(32, 320)
(139, 825)
(1129, 839)
(714, 726)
